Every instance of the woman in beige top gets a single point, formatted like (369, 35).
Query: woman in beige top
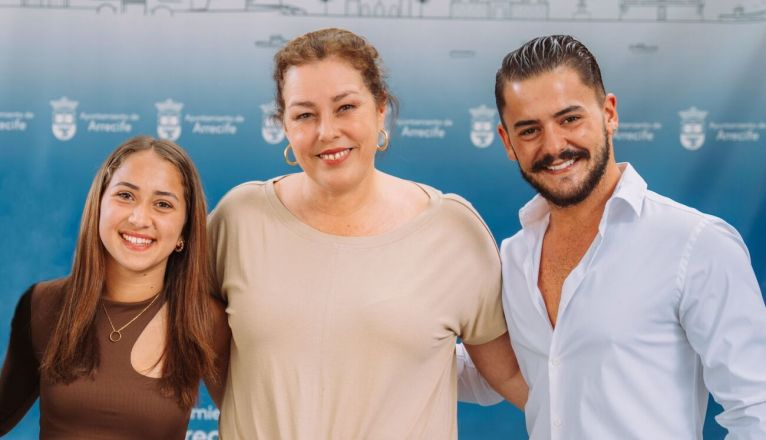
(346, 287)
(116, 349)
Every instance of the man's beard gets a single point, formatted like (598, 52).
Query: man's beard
(583, 190)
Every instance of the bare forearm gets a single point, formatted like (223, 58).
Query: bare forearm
(514, 390)
(497, 362)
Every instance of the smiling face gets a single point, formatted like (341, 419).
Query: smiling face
(560, 133)
(142, 214)
(332, 122)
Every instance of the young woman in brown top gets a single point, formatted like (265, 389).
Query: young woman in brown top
(116, 349)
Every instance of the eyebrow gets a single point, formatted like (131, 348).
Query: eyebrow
(136, 188)
(310, 104)
(527, 122)
(342, 95)
(569, 109)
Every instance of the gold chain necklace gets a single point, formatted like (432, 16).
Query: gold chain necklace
(116, 334)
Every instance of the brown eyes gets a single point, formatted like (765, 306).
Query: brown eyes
(341, 109)
(127, 196)
(124, 195)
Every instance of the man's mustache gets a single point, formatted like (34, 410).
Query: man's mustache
(565, 155)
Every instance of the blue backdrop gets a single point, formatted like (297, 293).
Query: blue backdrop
(80, 76)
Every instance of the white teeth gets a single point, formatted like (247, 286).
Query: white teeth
(561, 166)
(335, 156)
(136, 240)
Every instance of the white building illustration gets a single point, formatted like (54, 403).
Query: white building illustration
(383, 8)
(662, 10)
(499, 9)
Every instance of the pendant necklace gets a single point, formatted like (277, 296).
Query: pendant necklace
(116, 334)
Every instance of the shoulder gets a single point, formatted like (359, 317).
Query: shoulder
(661, 209)
(22, 315)
(43, 303)
(242, 195)
(513, 246)
(238, 206)
(673, 218)
(457, 217)
(459, 210)
(705, 243)
(46, 296)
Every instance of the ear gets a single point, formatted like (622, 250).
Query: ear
(382, 110)
(611, 118)
(506, 142)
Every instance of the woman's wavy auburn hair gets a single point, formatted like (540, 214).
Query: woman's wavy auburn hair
(339, 43)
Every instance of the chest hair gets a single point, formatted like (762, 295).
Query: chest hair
(560, 255)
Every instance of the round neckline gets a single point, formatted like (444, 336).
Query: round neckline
(143, 302)
(292, 222)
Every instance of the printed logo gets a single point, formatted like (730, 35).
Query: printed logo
(15, 121)
(692, 128)
(738, 131)
(169, 119)
(482, 126)
(271, 129)
(208, 413)
(64, 118)
(424, 128)
(201, 435)
(637, 131)
(214, 124)
(109, 122)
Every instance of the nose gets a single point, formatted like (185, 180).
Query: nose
(553, 141)
(139, 216)
(328, 128)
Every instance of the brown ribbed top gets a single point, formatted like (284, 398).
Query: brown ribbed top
(118, 402)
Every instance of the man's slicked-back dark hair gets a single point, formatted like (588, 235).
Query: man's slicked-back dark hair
(543, 54)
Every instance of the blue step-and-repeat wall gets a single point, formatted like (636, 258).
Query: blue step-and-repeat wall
(80, 76)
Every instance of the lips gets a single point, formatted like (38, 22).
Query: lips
(560, 166)
(334, 155)
(566, 159)
(137, 241)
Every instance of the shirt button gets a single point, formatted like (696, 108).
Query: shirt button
(557, 423)
(555, 362)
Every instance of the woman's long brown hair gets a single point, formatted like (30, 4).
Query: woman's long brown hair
(73, 350)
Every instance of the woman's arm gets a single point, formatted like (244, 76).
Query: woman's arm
(20, 378)
(216, 384)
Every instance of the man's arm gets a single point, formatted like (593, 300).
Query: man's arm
(723, 315)
(497, 363)
(471, 386)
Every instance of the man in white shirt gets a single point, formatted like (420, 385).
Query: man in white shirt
(624, 307)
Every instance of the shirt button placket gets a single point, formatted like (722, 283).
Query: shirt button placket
(554, 379)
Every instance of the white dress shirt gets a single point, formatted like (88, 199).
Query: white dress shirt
(663, 307)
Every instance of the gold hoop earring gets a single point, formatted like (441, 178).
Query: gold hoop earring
(179, 245)
(292, 163)
(383, 147)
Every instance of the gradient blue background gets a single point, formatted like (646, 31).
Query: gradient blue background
(440, 66)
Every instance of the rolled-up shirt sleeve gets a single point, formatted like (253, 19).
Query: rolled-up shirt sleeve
(723, 314)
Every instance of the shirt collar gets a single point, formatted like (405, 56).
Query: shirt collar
(631, 188)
